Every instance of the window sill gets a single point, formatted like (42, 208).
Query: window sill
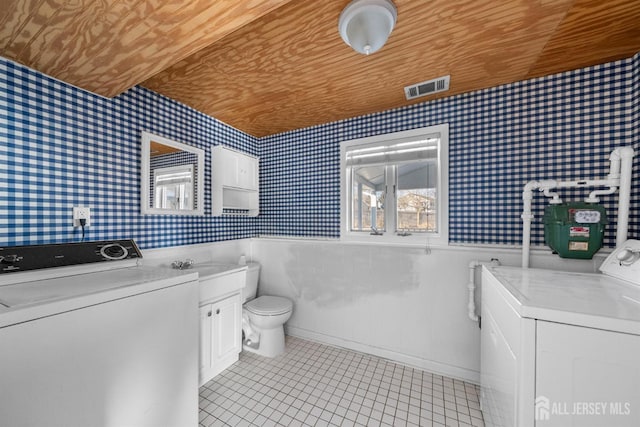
(415, 240)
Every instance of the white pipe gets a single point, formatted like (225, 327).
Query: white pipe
(526, 238)
(593, 196)
(614, 177)
(251, 336)
(471, 306)
(527, 216)
(615, 159)
(556, 200)
(626, 156)
(586, 183)
(546, 185)
(619, 176)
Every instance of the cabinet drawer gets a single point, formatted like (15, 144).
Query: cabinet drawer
(219, 286)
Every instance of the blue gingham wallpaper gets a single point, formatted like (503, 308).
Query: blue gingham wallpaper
(62, 147)
(562, 126)
(300, 182)
(634, 225)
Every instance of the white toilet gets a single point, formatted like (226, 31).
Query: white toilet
(263, 318)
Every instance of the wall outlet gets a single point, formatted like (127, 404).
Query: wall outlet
(81, 213)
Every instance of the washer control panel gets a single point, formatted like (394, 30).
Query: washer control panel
(624, 262)
(35, 257)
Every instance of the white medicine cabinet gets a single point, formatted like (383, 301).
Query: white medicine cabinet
(234, 182)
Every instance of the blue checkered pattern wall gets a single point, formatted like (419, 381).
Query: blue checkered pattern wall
(300, 182)
(62, 147)
(556, 127)
(635, 117)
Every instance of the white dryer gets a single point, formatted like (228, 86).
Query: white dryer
(562, 349)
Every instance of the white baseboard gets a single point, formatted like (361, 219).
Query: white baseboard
(439, 368)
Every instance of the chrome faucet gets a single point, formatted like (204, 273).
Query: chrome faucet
(182, 265)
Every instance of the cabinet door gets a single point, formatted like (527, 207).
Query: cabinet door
(229, 163)
(247, 172)
(220, 336)
(238, 170)
(227, 332)
(205, 337)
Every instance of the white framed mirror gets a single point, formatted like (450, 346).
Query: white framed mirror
(172, 178)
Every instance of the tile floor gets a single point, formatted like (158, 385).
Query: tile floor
(318, 385)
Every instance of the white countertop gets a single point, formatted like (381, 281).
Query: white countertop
(210, 270)
(591, 300)
(40, 298)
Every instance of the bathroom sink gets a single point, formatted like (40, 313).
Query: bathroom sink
(212, 269)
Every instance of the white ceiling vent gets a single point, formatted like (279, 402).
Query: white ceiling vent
(429, 87)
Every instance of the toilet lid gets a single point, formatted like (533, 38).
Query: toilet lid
(269, 306)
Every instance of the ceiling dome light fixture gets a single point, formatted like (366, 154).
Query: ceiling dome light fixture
(365, 25)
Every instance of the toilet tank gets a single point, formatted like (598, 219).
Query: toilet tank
(251, 286)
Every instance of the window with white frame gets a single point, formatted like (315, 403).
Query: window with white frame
(173, 187)
(394, 186)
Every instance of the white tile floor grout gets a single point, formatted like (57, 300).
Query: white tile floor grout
(318, 385)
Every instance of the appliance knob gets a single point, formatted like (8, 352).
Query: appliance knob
(218, 311)
(114, 251)
(628, 256)
(209, 314)
(10, 259)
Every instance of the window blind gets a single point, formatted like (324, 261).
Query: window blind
(394, 151)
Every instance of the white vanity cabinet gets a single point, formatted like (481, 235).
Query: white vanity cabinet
(220, 335)
(234, 182)
(220, 317)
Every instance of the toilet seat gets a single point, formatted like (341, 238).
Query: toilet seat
(269, 306)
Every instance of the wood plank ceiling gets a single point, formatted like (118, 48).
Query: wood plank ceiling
(270, 66)
(108, 46)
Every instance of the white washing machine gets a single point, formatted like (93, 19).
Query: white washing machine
(562, 349)
(89, 338)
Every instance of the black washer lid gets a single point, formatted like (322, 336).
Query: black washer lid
(34, 257)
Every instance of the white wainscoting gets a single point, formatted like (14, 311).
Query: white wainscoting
(227, 251)
(401, 303)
